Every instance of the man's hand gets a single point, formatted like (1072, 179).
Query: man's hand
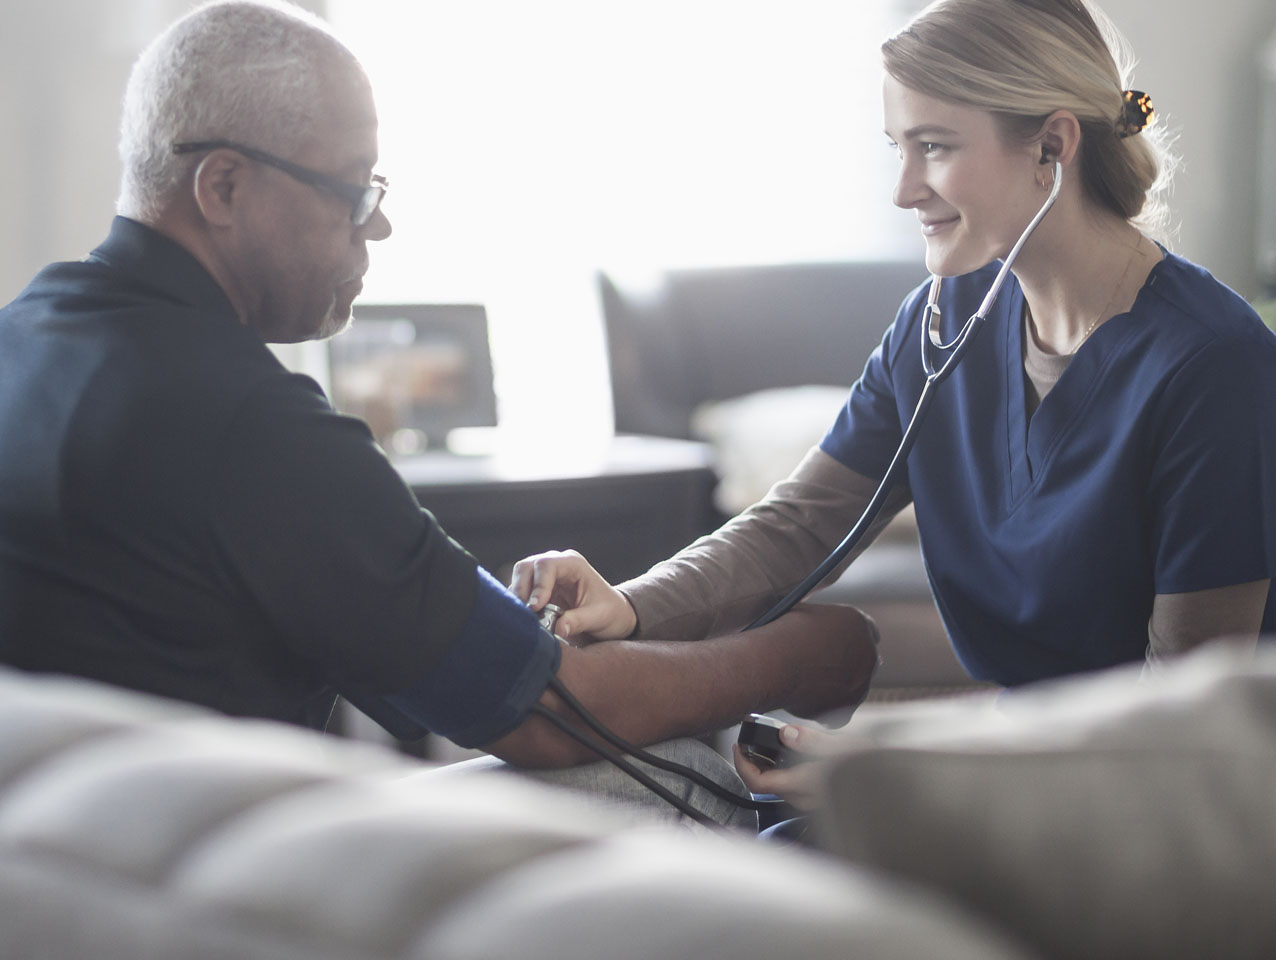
(799, 783)
(590, 604)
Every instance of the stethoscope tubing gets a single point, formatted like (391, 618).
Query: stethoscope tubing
(934, 378)
(935, 375)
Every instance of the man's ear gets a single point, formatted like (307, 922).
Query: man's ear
(217, 186)
(1060, 137)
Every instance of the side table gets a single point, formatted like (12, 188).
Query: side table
(625, 504)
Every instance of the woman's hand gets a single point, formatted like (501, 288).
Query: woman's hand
(591, 606)
(799, 783)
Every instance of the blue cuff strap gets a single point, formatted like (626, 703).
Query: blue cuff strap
(495, 671)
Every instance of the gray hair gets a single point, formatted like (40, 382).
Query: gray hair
(244, 70)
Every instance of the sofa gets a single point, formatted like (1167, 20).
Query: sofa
(133, 828)
(1114, 816)
(756, 361)
(1124, 815)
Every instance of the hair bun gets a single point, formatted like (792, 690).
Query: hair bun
(1136, 113)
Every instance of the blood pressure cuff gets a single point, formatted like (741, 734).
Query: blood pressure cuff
(486, 683)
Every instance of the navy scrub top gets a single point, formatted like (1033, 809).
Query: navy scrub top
(1149, 468)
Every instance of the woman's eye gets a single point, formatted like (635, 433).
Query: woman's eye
(927, 149)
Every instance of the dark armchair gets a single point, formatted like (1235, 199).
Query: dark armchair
(697, 339)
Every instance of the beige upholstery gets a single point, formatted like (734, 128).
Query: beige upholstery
(135, 828)
(1111, 816)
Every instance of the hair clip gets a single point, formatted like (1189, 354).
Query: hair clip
(1136, 113)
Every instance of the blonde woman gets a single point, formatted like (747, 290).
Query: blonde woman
(1096, 482)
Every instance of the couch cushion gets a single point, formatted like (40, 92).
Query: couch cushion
(1104, 817)
(134, 828)
(758, 438)
(651, 893)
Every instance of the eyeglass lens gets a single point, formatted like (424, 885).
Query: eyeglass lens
(367, 204)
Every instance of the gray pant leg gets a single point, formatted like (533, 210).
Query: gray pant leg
(620, 793)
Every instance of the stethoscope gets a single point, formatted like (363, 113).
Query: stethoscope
(615, 748)
(937, 371)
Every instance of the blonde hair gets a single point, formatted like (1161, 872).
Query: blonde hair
(1024, 59)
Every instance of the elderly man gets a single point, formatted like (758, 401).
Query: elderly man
(180, 514)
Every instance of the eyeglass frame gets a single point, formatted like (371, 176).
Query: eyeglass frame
(362, 200)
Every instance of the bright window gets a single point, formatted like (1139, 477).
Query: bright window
(531, 144)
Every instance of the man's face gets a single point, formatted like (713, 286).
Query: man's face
(299, 259)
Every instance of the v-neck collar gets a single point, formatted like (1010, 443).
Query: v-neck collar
(1030, 442)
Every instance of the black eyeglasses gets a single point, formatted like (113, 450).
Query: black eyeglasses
(363, 200)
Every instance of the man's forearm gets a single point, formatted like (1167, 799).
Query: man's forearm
(811, 661)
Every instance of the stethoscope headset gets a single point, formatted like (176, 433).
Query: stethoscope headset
(938, 367)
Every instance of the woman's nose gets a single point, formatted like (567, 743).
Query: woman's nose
(910, 186)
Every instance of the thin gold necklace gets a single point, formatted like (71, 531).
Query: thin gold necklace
(1103, 313)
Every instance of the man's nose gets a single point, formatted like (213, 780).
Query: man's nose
(378, 226)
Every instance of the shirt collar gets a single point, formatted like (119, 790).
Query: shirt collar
(162, 264)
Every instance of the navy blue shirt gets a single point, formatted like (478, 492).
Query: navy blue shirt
(180, 514)
(1149, 468)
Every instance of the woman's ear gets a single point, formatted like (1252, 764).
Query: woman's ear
(217, 184)
(1060, 137)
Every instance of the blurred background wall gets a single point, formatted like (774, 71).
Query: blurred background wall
(63, 64)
